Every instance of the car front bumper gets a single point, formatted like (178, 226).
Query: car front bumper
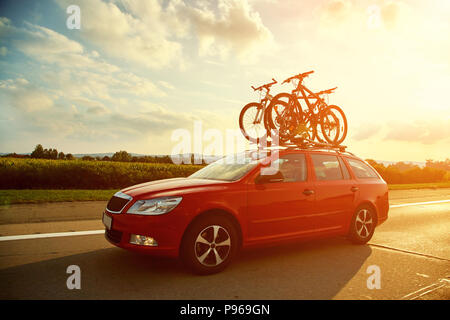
(165, 229)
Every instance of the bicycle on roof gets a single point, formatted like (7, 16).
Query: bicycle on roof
(285, 114)
(251, 118)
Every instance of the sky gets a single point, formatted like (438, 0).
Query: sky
(138, 71)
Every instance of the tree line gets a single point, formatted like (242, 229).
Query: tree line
(402, 172)
(120, 156)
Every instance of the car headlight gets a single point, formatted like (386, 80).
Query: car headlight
(155, 206)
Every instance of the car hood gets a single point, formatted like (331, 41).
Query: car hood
(165, 185)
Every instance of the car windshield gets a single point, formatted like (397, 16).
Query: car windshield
(229, 168)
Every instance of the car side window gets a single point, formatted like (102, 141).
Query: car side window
(327, 167)
(344, 169)
(361, 170)
(293, 167)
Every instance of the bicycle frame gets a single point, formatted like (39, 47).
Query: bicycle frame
(263, 101)
(304, 90)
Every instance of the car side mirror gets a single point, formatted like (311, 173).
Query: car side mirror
(270, 178)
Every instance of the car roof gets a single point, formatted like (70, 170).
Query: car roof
(322, 150)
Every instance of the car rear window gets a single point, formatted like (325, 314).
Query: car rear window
(327, 167)
(361, 170)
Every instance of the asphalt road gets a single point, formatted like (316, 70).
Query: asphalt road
(411, 249)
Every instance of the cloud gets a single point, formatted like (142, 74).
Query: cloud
(3, 51)
(336, 11)
(365, 131)
(235, 29)
(353, 16)
(124, 36)
(51, 47)
(45, 112)
(137, 85)
(73, 71)
(90, 106)
(74, 94)
(5, 27)
(152, 33)
(40, 40)
(390, 13)
(423, 131)
(25, 96)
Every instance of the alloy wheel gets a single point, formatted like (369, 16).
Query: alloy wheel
(364, 223)
(212, 246)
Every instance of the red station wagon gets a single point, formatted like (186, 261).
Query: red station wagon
(248, 200)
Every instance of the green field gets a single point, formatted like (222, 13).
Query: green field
(40, 196)
(78, 174)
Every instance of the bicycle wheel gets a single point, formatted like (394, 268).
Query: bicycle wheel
(252, 128)
(329, 125)
(342, 119)
(281, 118)
(318, 132)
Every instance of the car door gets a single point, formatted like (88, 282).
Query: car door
(281, 208)
(335, 192)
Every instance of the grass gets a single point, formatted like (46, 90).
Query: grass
(40, 196)
(429, 185)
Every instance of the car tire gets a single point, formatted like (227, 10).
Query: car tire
(209, 245)
(362, 225)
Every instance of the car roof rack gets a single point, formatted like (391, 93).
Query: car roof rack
(306, 144)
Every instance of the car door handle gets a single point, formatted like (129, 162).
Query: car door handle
(354, 189)
(308, 192)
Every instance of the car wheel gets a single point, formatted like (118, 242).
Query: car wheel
(209, 245)
(363, 225)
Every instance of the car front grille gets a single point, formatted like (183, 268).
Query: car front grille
(116, 204)
(114, 235)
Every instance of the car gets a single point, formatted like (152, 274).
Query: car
(251, 199)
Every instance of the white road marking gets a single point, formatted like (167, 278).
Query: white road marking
(423, 275)
(417, 203)
(425, 290)
(83, 233)
(407, 251)
(51, 235)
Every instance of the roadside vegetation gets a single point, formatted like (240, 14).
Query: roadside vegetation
(14, 196)
(47, 175)
(80, 174)
(407, 173)
(120, 156)
(430, 185)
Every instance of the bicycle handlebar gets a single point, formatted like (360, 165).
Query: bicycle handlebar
(299, 76)
(265, 86)
(328, 91)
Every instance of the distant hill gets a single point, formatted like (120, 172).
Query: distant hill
(109, 154)
(209, 158)
(81, 155)
(417, 163)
